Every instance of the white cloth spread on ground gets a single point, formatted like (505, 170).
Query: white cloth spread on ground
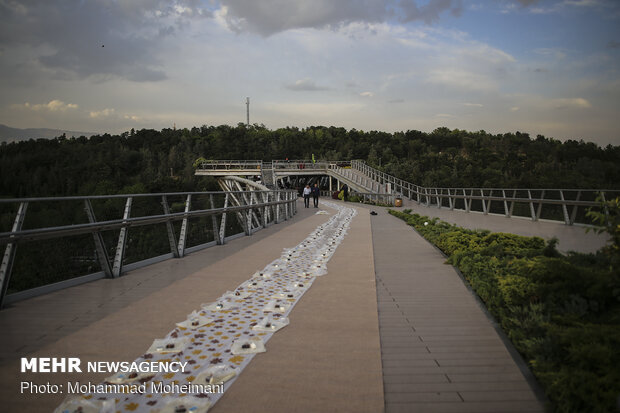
(239, 325)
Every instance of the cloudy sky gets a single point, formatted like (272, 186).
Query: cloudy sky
(546, 67)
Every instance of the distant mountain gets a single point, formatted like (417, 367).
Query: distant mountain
(8, 134)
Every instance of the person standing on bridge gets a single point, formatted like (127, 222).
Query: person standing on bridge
(307, 192)
(345, 192)
(315, 195)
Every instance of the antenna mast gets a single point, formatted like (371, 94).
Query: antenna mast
(247, 102)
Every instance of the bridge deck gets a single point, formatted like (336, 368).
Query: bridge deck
(411, 338)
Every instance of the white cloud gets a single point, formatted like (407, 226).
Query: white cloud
(582, 3)
(100, 114)
(556, 53)
(52, 106)
(461, 79)
(579, 103)
(367, 94)
(475, 105)
(305, 85)
(267, 17)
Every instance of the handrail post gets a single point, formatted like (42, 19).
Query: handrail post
(264, 197)
(174, 249)
(467, 201)
(540, 204)
(216, 230)
(9, 253)
(102, 253)
(564, 209)
(223, 223)
(532, 212)
(505, 204)
(184, 224)
(248, 217)
(573, 215)
(117, 266)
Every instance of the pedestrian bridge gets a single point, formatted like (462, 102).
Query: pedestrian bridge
(379, 322)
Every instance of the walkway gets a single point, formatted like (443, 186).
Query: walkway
(439, 350)
(570, 237)
(431, 348)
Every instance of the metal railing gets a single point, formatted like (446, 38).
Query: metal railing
(561, 205)
(253, 209)
(303, 164)
(232, 165)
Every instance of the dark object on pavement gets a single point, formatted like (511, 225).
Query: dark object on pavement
(373, 213)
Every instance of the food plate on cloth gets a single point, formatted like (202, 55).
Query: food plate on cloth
(287, 295)
(79, 404)
(262, 274)
(251, 285)
(270, 324)
(318, 269)
(220, 305)
(275, 306)
(127, 377)
(236, 295)
(194, 321)
(249, 345)
(187, 404)
(299, 285)
(168, 345)
(218, 374)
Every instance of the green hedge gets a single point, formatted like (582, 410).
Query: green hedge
(562, 313)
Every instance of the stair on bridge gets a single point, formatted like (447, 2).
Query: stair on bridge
(268, 175)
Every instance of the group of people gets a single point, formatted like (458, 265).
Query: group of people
(314, 192)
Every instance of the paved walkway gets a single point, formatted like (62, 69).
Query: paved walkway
(327, 359)
(431, 347)
(439, 350)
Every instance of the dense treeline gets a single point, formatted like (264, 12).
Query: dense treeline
(153, 161)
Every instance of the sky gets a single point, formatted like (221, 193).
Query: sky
(549, 67)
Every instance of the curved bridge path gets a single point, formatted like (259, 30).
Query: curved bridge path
(389, 328)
